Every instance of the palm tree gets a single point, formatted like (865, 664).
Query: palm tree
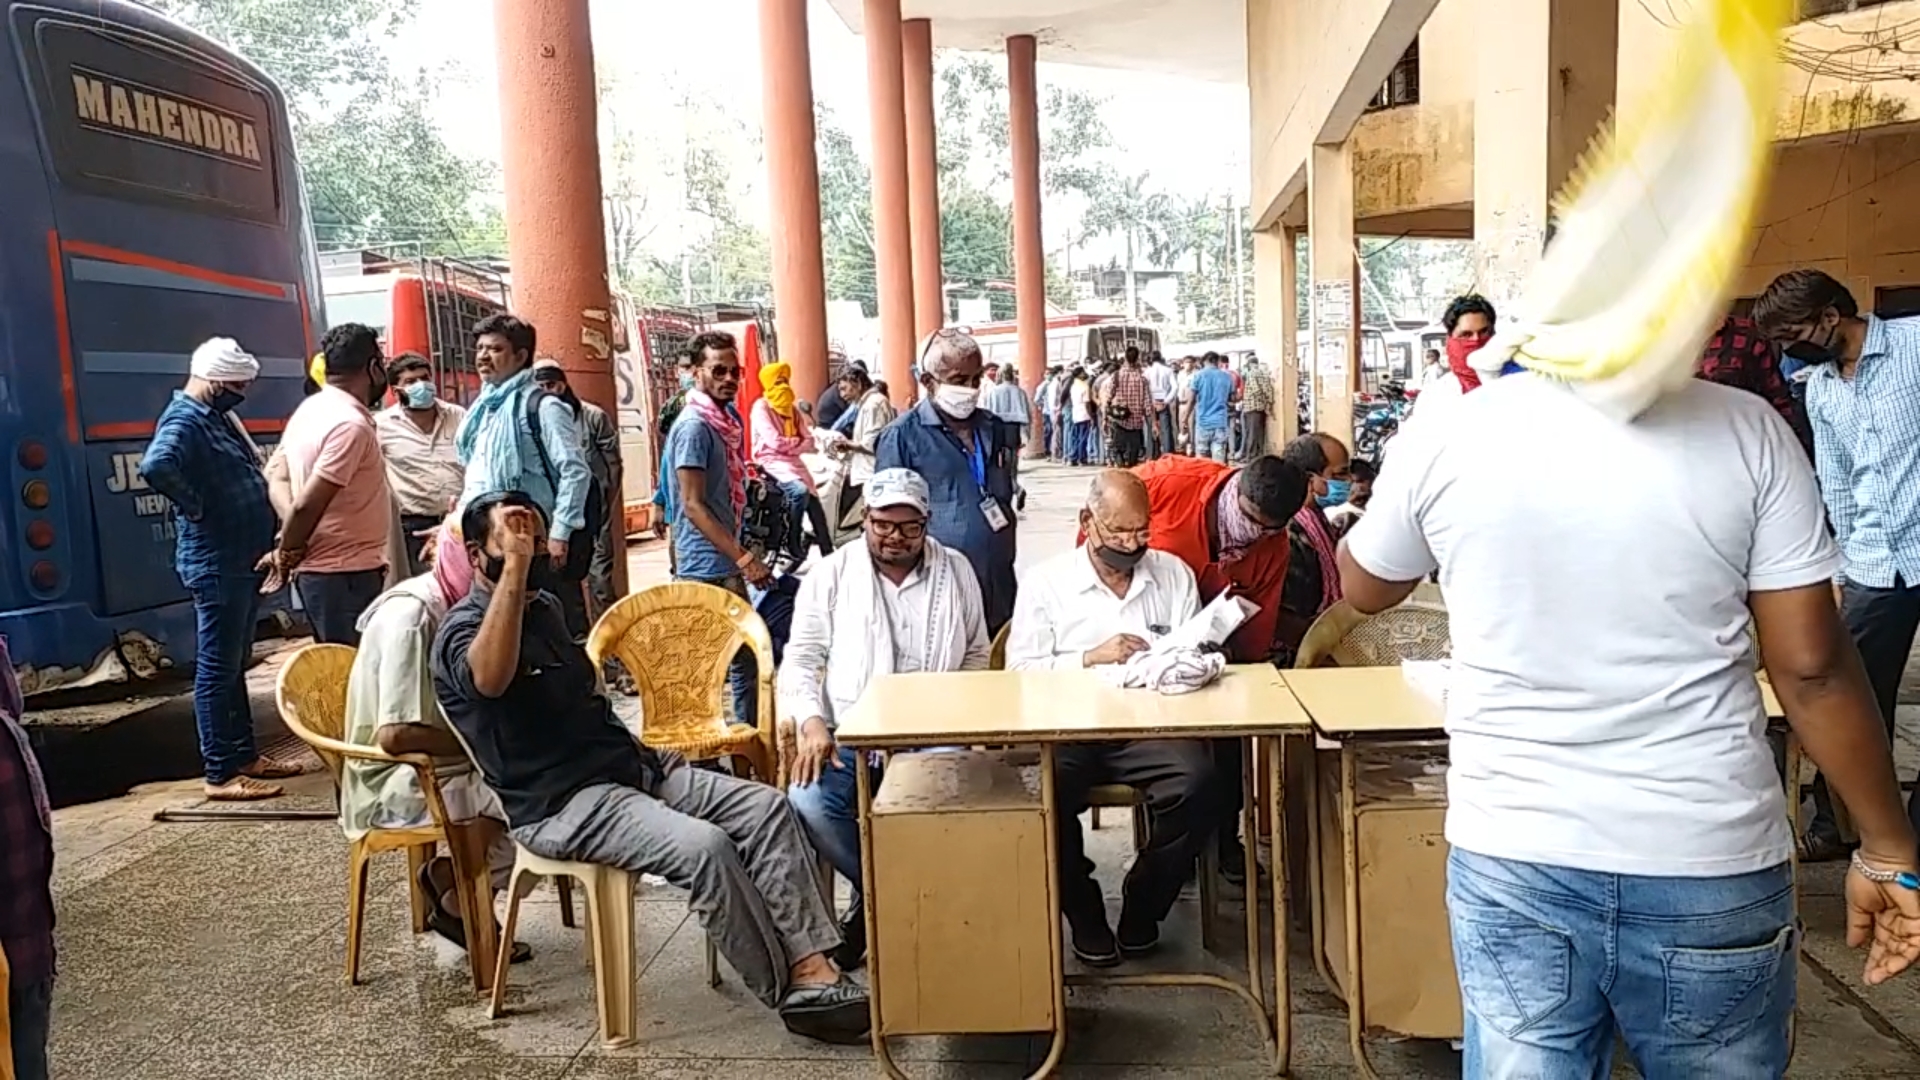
(1139, 217)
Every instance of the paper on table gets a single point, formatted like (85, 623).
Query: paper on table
(1430, 677)
(1213, 626)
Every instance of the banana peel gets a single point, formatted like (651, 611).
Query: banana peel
(1654, 224)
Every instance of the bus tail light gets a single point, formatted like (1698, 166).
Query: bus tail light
(40, 534)
(33, 455)
(36, 494)
(44, 576)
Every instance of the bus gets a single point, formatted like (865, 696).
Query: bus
(427, 306)
(152, 201)
(1071, 339)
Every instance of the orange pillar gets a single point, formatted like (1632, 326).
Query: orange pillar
(793, 187)
(892, 238)
(1029, 258)
(550, 155)
(923, 178)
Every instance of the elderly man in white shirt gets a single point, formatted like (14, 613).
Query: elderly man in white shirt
(1099, 604)
(901, 602)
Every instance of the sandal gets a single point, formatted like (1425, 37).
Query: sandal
(449, 926)
(242, 788)
(266, 768)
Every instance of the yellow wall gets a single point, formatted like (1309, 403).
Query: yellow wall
(1415, 163)
(1852, 210)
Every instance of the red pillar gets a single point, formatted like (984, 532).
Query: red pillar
(1029, 258)
(551, 167)
(892, 243)
(923, 178)
(793, 188)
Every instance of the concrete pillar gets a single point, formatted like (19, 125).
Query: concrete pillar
(923, 177)
(892, 237)
(1029, 257)
(793, 189)
(551, 170)
(1276, 326)
(1534, 112)
(1335, 304)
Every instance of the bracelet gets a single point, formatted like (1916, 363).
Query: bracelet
(1906, 879)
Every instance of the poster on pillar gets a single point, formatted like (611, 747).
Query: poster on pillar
(1333, 304)
(1330, 363)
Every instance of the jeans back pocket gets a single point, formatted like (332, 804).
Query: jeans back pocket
(1514, 973)
(1717, 994)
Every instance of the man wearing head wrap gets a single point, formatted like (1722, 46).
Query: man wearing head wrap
(781, 433)
(391, 705)
(203, 462)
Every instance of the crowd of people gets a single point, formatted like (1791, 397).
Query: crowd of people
(1120, 412)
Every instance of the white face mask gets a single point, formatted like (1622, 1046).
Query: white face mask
(956, 401)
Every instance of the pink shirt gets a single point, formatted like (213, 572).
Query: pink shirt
(780, 454)
(331, 436)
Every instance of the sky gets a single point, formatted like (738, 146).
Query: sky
(1191, 136)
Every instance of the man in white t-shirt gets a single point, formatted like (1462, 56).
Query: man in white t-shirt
(1160, 385)
(1621, 856)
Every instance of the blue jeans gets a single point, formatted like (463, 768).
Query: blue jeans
(829, 809)
(1210, 442)
(335, 601)
(1696, 974)
(1077, 440)
(225, 604)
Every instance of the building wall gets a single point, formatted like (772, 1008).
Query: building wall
(1413, 165)
(1851, 209)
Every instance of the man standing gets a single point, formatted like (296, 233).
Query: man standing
(1618, 827)
(966, 456)
(1256, 404)
(337, 530)
(202, 461)
(1740, 356)
(577, 785)
(1160, 425)
(1048, 399)
(1006, 399)
(26, 886)
(1212, 399)
(1129, 407)
(901, 602)
(423, 463)
(1863, 398)
(1099, 604)
(706, 454)
(600, 438)
(1313, 579)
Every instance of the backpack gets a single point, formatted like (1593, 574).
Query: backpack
(579, 554)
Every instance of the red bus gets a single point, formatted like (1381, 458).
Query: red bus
(427, 306)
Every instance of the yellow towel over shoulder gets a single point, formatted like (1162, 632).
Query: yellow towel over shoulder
(1655, 223)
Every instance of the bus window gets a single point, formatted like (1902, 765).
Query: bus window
(373, 309)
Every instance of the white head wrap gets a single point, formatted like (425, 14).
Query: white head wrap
(222, 359)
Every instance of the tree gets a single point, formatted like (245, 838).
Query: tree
(1125, 208)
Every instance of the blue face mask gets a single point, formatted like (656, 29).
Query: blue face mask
(419, 395)
(1337, 493)
(686, 380)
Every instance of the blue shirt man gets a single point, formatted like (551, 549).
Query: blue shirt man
(692, 444)
(211, 473)
(1212, 391)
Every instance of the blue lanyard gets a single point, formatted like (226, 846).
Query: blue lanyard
(977, 461)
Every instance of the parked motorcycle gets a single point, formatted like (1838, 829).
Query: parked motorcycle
(1377, 419)
(839, 492)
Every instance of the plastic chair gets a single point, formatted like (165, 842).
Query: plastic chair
(1342, 637)
(610, 939)
(677, 641)
(997, 657)
(312, 697)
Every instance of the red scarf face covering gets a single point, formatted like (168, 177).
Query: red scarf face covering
(1458, 349)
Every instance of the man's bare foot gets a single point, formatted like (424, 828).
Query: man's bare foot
(266, 768)
(815, 970)
(242, 789)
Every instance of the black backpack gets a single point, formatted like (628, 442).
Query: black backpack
(580, 548)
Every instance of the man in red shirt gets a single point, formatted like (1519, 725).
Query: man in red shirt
(1229, 525)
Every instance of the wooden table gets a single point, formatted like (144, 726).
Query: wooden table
(1378, 707)
(1046, 708)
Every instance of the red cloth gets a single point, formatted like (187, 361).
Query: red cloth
(1739, 356)
(1180, 490)
(1458, 349)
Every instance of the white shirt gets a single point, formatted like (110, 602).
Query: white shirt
(423, 467)
(1160, 381)
(1064, 609)
(1078, 394)
(1603, 709)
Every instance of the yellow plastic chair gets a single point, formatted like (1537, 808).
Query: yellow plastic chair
(312, 697)
(997, 656)
(676, 641)
(1342, 637)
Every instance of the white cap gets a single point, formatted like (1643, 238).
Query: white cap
(897, 487)
(222, 359)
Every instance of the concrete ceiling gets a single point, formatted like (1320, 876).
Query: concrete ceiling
(1198, 39)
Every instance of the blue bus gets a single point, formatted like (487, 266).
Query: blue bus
(152, 201)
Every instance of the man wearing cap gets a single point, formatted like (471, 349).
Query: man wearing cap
(901, 602)
(202, 461)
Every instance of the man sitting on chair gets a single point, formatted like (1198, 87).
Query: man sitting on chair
(1099, 604)
(391, 705)
(578, 787)
(900, 602)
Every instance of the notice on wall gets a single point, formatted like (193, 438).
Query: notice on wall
(1333, 304)
(1330, 363)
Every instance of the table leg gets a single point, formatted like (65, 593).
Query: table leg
(1250, 826)
(1056, 956)
(1282, 923)
(863, 785)
(1356, 975)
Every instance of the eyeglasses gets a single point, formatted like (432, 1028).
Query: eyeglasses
(1141, 536)
(904, 530)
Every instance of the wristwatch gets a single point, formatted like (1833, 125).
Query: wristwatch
(1906, 879)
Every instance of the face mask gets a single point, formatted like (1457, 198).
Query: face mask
(956, 401)
(1337, 493)
(686, 381)
(542, 576)
(419, 395)
(224, 399)
(1812, 352)
(1119, 558)
(377, 377)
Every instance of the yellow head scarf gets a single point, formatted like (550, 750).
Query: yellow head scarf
(317, 368)
(776, 386)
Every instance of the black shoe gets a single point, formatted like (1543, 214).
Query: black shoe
(449, 926)
(837, 1014)
(1138, 938)
(1820, 845)
(1093, 943)
(851, 953)
(1233, 862)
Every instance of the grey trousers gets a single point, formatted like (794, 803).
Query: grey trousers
(734, 844)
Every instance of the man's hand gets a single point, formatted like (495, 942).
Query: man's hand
(558, 550)
(1883, 918)
(1117, 649)
(278, 565)
(813, 752)
(756, 572)
(659, 528)
(519, 528)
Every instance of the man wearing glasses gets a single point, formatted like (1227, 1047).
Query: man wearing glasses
(901, 602)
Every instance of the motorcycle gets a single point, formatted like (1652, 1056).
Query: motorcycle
(839, 491)
(1377, 420)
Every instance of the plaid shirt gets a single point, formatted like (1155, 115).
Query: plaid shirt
(211, 473)
(1257, 393)
(1130, 399)
(1739, 356)
(26, 843)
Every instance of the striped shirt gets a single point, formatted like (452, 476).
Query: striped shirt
(1866, 439)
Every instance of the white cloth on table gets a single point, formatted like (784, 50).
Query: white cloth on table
(1174, 669)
